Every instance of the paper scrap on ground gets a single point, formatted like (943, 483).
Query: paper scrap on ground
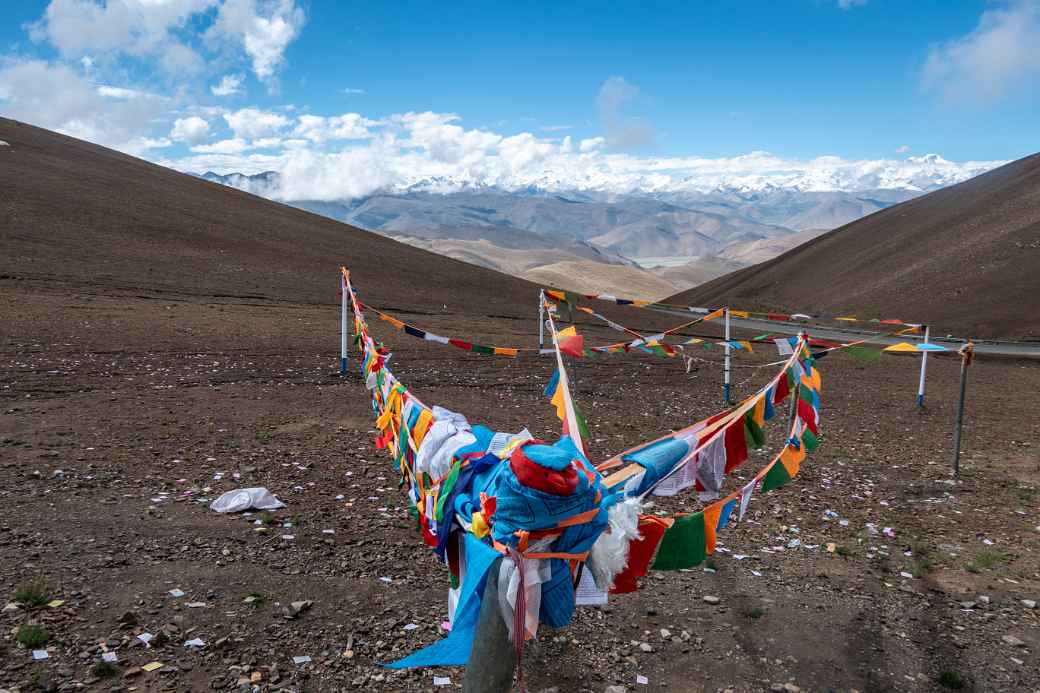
(145, 638)
(244, 499)
(110, 657)
(411, 626)
(176, 593)
(301, 659)
(55, 603)
(588, 593)
(441, 681)
(642, 680)
(194, 642)
(41, 654)
(152, 666)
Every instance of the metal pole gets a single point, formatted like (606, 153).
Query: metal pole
(924, 369)
(541, 319)
(343, 325)
(966, 353)
(725, 385)
(493, 657)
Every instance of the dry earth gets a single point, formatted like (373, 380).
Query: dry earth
(119, 410)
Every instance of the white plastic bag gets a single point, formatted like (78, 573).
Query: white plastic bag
(244, 499)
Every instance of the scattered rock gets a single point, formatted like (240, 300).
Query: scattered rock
(711, 599)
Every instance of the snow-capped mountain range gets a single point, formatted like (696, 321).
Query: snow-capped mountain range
(691, 211)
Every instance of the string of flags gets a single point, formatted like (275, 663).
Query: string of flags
(572, 298)
(544, 508)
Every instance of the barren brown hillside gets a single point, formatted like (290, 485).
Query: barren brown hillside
(965, 259)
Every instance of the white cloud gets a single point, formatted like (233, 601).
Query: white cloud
(591, 144)
(138, 28)
(263, 28)
(349, 126)
(192, 130)
(235, 145)
(229, 85)
(1001, 54)
(348, 90)
(903, 149)
(55, 97)
(849, 4)
(250, 123)
(435, 152)
(622, 131)
(555, 128)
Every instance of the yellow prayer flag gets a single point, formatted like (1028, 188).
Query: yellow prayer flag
(393, 321)
(505, 351)
(740, 314)
(901, 348)
(715, 314)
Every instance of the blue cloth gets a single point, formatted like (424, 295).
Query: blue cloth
(454, 650)
(658, 459)
(521, 508)
(725, 513)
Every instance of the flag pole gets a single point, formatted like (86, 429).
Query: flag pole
(967, 352)
(541, 319)
(343, 329)
(725, 385)
(924, 369)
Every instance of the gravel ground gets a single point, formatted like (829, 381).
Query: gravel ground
(121, 413)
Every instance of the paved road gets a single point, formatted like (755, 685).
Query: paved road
(846, 335)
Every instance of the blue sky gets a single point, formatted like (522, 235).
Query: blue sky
(800, 79)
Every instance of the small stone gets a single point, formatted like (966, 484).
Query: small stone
(665, 633)
(1029, 603)
(1013, 641)
(615, 689)
(132, 672)
(646, 647)
(983, 598)
(791, 688)
(711, 599)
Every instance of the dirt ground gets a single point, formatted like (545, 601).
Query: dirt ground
(122, 413)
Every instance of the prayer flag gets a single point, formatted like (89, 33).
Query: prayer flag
(571, 342)
(683, 544)
(640, 553)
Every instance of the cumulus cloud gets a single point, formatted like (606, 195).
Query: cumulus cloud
(250, 123)
(138, 28)
(903, 149)
(55, 97)
(229, 85)
(169, 33)
(263, 29)
(433, 151)
(1000, 55)
(192, 130)
(349, 126)
(622, 131)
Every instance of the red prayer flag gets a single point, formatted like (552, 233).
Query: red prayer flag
(640, 553)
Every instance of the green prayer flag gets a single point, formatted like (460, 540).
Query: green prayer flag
(776, 477)
(810, 441)
(445, 490)
(756, 437)
(478, 349)
(683, 544)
